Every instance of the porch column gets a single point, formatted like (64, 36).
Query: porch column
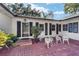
(21, 29)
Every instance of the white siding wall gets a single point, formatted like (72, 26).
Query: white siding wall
(5, 23)
(14, 24)
(11, 25)
(72, 35)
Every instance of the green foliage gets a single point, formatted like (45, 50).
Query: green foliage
(10, 36)
(71, 8)
(21, 9)
(11, 39)
(6, 39)
(35, 31)
(3, 38)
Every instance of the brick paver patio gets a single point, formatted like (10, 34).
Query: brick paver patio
(39, 49)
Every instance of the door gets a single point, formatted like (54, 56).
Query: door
(25, 29)
(31, 24)
(18, 28)
(56, 28)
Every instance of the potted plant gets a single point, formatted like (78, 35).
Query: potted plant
(35, 32)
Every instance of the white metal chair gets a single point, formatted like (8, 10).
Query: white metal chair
(51, 40)
(65, 38)
(58, 38)
(47, 41)
(41, 36)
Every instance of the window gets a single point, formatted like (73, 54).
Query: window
(65, 27)
(42, 27)
(70, 27)
(53, 27)
(73, 27)
(59, 27)
(24, 29)
(37, 24)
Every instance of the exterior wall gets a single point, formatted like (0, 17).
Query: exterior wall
(14, 23)
(10, 25)
(71, 35)
(5, 23)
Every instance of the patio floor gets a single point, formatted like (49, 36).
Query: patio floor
(39, 49)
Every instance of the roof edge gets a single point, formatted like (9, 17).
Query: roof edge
(2, 5)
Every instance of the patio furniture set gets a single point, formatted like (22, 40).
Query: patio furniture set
(58, 38)
(49, 39)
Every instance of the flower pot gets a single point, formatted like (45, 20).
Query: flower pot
(33, 41)
(37, 40)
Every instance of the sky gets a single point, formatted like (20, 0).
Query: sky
(57, 8)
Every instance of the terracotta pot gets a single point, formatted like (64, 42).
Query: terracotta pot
(37, 40)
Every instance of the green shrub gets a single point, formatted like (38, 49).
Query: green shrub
(3, 38)
(11, 39)
(7, 39)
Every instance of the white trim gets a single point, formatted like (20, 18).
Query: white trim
(29, 37)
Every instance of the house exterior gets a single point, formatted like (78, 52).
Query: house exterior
(21, 25)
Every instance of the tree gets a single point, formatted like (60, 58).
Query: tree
(71, 8)
(35, 31)
(20, 9)
(16, 8)
(50, 14)
(28, 10)
(44, 15)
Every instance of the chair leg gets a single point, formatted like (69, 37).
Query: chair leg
(57, 42)
(47, 45)
(60, 41)
(68, 42)
(63, 41)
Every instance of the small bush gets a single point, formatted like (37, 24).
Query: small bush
(3, 38)
(35, 31)
(11, 39)
(7, 39)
